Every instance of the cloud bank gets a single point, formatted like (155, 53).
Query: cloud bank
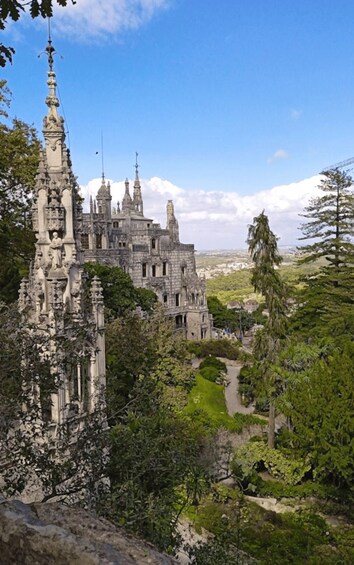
(216, 219)
(91, 19)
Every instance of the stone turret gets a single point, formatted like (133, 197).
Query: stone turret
(104, 199)
(127, 202)
(52, 298)
(172, 222)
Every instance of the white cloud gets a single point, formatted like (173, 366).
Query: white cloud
(89, 19)
(295, 114)
(219, 220)
(278, 155)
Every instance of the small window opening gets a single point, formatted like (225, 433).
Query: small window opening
(84, 241)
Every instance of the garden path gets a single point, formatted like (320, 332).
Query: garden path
(232, 396)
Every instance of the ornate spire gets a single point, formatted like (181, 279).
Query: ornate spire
(137, 197)
(136, 166)
(51, 100)
(127, 203)
(53, 124)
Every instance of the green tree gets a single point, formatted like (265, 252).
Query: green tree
(18, 166)
(10, 363)
(120, 295)
(320, 402)
(263, 248)
(331, 221)
(156, 467)
(156, 453)
(138, 349)
(13, 9)
(223, 317)
(328, 291)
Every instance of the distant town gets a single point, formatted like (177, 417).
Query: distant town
(214, 263)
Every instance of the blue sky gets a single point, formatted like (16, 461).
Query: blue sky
(228, 97)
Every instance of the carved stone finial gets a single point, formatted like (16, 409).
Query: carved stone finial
(23, 298)
(96, 291)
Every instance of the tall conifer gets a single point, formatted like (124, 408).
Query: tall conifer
(328, 298)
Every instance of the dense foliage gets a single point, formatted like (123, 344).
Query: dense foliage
(156, 464)
(18, 166)
(120, 295)
(230, 349)
(237, 321)
(329, 292)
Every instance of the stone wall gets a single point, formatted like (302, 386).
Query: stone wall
(54, 534)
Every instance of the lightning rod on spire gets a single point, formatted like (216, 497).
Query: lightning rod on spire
(50, 49)
(102, 157)
(136, 165)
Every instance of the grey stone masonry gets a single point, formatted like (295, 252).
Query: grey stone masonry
(151, 255)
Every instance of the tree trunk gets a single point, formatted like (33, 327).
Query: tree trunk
(271, 425)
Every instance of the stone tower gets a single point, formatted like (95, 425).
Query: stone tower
(127, 202)
(54, 301)
(172, 222)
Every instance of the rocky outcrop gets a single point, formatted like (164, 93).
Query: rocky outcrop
(55, 534)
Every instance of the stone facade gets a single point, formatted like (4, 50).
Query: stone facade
(52, 298)
(153, 256)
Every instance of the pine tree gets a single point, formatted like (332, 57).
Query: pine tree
(328, 294)
(262, 245)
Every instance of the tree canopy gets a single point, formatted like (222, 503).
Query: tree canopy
(120, 295)
(263, 247)
(18, 166)
(330, 224)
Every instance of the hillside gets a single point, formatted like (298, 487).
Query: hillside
(237, 285)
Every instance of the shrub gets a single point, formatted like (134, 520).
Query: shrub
(212, 361)
(247, 385)
(247, 420)
(217, 347)
(307, 489)
(210, 374)
(253, 455)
